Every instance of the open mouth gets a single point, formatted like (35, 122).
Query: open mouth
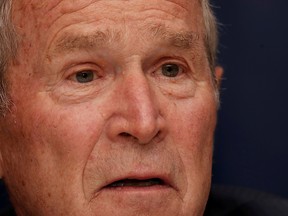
(136, 183)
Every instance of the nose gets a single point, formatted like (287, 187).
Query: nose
(137, 113)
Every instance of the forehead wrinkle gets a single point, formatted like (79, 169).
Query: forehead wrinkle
(180, 3)
(35, 5)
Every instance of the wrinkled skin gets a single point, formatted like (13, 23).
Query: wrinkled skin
(64, 140)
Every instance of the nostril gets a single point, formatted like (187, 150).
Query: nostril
(158, 134)
(128, 136)
(124, 134)
(156, 137)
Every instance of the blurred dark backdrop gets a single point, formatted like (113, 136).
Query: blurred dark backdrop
(251, 147)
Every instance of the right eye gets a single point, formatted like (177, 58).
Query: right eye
(171, 70)
(84, 76)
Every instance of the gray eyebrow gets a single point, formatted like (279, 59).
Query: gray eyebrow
(71, 42)
(180, 39)
(186, 40)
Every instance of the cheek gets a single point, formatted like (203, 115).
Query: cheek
(192, 133)
(55, 144)
(67, 132)
(194, 124)
(63, 134)
(194, 138)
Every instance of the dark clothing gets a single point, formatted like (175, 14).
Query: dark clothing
(9, 212)
(231, 201)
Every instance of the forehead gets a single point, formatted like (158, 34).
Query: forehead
(56, 17)
(48, 4)
(37, 14)
(45, 7)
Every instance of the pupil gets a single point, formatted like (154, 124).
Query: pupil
(84, 76)
(170, 70)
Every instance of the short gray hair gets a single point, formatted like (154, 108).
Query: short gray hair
(210, 33)
(8, 48)
(8, 43)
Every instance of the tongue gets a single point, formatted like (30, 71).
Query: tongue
(136, 183)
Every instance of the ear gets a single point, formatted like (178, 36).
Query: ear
(218, 75)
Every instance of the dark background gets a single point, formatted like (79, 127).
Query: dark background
(251, 148)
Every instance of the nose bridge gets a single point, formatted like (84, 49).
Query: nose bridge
(139, 106)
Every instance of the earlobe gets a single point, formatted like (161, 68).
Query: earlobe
(218, 75)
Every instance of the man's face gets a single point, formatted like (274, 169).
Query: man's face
(113, 109)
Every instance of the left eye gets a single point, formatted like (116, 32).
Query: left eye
(170, 70)
(84, 76)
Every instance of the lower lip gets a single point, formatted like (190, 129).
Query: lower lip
(139, 198)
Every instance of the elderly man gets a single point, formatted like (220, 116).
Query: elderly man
(108, 107)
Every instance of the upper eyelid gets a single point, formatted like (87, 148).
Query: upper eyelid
(69, 71)
(172, 60)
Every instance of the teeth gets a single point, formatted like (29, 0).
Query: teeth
(137, 183)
